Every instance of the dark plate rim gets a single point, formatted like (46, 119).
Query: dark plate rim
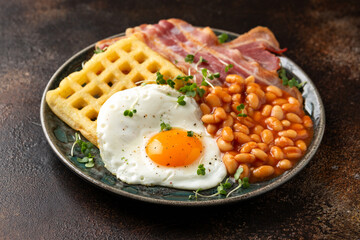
(281, 179)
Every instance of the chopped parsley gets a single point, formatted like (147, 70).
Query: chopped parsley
(201, 170)
(241, 108)
(181, 101)
(292, 82)
(227, 67)
(85, 149)
(189, 58)
(190, 133)
(129, 113)
(165, 126)
(223, 37)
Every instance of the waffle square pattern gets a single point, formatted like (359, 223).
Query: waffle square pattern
(125, 64)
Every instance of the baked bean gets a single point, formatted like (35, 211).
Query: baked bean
(251, 88)
(266, 110)
(277, 112)
(236, 98)
(230, 163)
(283, 142)
(279, 101)
(272, 161)
(259, 154)
(257, 116)
(241, 137)
(301, 144)
(247, 147)
(307, 122)
(220, 114)
(267, 136)
(234, 88)
(284, 164)
(263, 171)
(273, 124)
(263, 146)
(233, 78)
(253, 100)
(289, 107)
(205, 109)
(213, 100)
(292, 117)
(285, 123)
(292, 152)
(288, 133)
(246, 171)
(238, 127)
(277, 91)
(270, 96)
(255, 138)
(228, 122)
(277, 153)
(258, 129)
(260, 93)
(250, 111)
(223, 145)
(227, 134)
(211, 128)
(222, 94)
(250, 79)
(297, 126)
(227, 107)
(245, 158)
(293, 100)
(247, 121)
(302, 134)
(208, 118)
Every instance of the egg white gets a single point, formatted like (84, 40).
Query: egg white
(122, 139)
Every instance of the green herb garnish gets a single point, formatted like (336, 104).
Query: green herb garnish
(292, 82)
(165, 126)
(201, 60)
(99, 50)
(181, 101)
(160, 78)
(241, 108)
(171, 83)
(201, 170)
(223, 37)
(190, 133)
(85, 149)
(244, 183)
(129, 113)
(227, 67)
(189, 58)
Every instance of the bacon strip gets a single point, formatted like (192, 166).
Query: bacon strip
(249, 53)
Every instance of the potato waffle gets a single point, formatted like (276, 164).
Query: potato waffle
(123, 65)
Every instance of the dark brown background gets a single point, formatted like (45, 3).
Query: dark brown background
(41, 199)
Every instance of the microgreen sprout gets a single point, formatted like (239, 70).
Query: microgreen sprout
(244, 183)
(85, 149)
(189, 58)
(227, 67)
(99, 50)
(201, 170)
(223, 37)
(129, 113)
(165, 126)
(241, 108)
(190, 133)
(292, 82)
(181, 101)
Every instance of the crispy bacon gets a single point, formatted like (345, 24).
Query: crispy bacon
(250, 53)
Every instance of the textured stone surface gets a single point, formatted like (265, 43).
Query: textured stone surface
(41, 199)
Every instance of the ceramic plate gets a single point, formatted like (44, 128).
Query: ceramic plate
(61, 137)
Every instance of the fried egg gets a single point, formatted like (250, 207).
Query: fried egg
(137, 151)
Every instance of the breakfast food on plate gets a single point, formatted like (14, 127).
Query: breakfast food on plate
(137, 152)
(227, 108)
(78, 98)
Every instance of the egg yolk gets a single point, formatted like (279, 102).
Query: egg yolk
(174, 148)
